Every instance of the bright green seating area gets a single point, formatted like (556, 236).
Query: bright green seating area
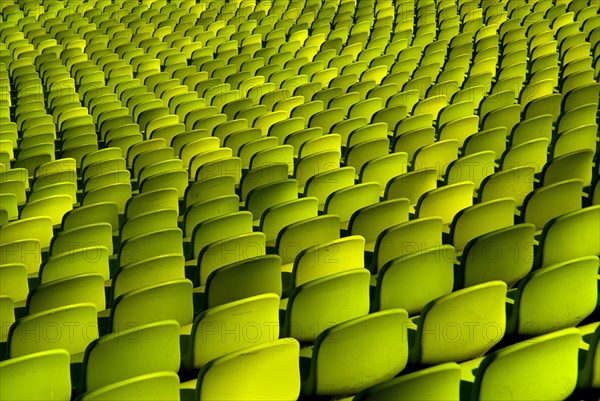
(299, 200)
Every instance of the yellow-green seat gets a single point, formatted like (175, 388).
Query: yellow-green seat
(543, 368)
(97, 234)
(149, 245)
(256, 320)
(446, 201)
(430, 270)
(159, 219)
(440, 382)
(70, 327)
(460, 326)
(275, 374)
(118, 193)
(166, 198)
(243, 279)
(265, 196)
(303, 234)
(229, 250)
(37, 376)
(163, 301)
(480, 219)
(39, 228)
(589, 373)
(550, 201)
(314, 164)
(577, 164)
(344, 202)
(89, 259)
(356, 354)
(106, 212)
(160, 386)
(148, 272)
(555, 297)
(81, 288)
(140, 350)
(323, 184)
(219, 228)
(276, 217)
(199, 191)
(514, 182)
(14, 283)
(474, 167)
(317, 305)
(371, 220)
(202, 211)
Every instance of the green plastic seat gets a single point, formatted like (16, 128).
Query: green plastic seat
(129, 353)
(148, 272)
(346, 201)
(200, 191)
(164, 301)
(276, 217)
(359, 353)
(243, 279)
(430, 270)
(315, 164)
(98, 213)
(577, 164)
(256, 319)
(328, 258)
(14, 282)
(440, 382)
(89, 259)
(531, 153)
(322, 303)
(37, 376)
(201, 211)
(473, 317)
(39, 228)
(219, 228)
(589, 377)
(543, 368)
(569, 236)
(383, 169)
(474, 167)
(480, 219)
(298, 236)
(160, 386)
(323, 184)
(437, 155)
(160, 219)
(265, 196)
(166, 198)
(54, 324)
(446, 201)
(406, 238)
(275, 374)
(149, 245)
(97, 234)
(371, 220)
(229, 250)
(550, 201)
(515, 183)
(118, 193)
(555, 297)
(81, 288)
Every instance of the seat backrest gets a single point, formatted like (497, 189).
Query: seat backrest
(344, 202)
(436, 382)
(155, 243)
(406, 238)
(431, 270)
(358, 353)
(296, 237)
(315, 164)
(514, 182)
(229, 250)
(570, 235)
(166, 198)
(323, 184)
(158, 385)
(329, 258)
(90, 259)
(202, 211)
(543, 368)
(275, 373)
(51, 332)
(371, 220)
(480, 219)
(219, 228)
(474, 317)
(256, 320)
(243, 279)
(577, 164)
(40, 376)
(555, 297)
(548, 202)
(148, 272)
(82, 288)
(14, 282)
(160, 219)
(505, 254)
(275, 218)
(39, 228)
(322, 303)
(271, 194)
(446, 201)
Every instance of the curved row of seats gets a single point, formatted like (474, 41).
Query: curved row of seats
(298, 199)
